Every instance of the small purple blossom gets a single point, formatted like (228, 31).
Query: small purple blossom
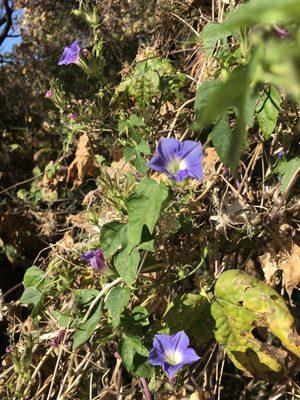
(9, 349)
(178, 160)
(95, 258)
(70, 54)
(73, 116)
(172, 352)
(49, 94)
(280, 154)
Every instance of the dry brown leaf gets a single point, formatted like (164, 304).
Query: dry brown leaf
(210, 159)
(290, 267)
(83, 164)
(200, 395)
(268, 263)
(287, 259)
(67, 241)
(120, 168)
(167, 108)
(158, 177)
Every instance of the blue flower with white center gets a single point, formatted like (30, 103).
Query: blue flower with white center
(172, 352)
(178, 160)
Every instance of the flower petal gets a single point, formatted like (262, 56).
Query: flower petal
(190, 356)
(162, 343)
(158, 164)
(87, 255)
(181, 175)
(180, 341)
(196, 171)
(172, 369)
(70, 54)
(190, 149)
(156, 358)
(168, 148)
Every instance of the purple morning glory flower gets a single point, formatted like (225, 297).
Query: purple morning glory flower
(95, 258)
(70, 54)
(178, 160)
(172, 352)
(49, 94)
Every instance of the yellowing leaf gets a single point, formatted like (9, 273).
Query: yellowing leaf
(243, 304)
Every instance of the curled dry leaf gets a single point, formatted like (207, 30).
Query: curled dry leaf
(67, 241)
(290, 268)
(286, 259)
(269, 264)
(83, 164)
(210, 158)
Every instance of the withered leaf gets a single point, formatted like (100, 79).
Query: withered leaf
(268, 263)
(290, 268)
(83, 163)
(286, 259)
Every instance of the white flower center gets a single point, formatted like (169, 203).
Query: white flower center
(173, 357)
(176, 165)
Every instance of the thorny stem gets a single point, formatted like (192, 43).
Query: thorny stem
(145, 388)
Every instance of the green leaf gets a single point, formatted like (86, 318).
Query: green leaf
(287, 169)
(265, 12)
(233, 93)
(128, 153)
(34, 276)
(134, 356)
(117, 300)
(85, 331)
(144, 206)
(237, 94)
(31, 295)
(113, 236)
(268, 110)
(204, 92)
(126, 263)
(191, 313)
(212, 33)
(136, 121)
(143, 147)
(140, 315)
(65, 319)
(221, 137)
(243, 303)
(85, 296)
(140, 163)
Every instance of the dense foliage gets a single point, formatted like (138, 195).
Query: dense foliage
(149, 183)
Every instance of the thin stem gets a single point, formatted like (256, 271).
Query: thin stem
(145, 388)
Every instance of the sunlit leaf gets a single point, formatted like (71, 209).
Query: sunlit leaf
(144, 206)
(191, 313)
(268, 110)
(286, 170)
(116, 301)
(242, 304)
(85, 331)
